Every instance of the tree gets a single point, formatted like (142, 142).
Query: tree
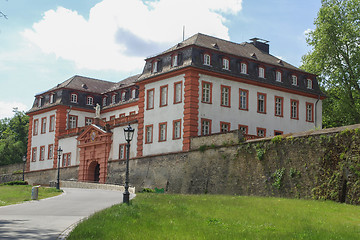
(13, 138)
(335, 58)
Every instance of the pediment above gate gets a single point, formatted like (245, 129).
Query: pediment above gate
(92, 135)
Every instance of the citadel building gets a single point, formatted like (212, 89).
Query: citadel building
(200, 86)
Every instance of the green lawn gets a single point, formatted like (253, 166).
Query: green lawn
(19, 193)
(163, 216)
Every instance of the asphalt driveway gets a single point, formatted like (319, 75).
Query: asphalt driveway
(48, 218)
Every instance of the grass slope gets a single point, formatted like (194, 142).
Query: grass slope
(19, 193)
(162, 216)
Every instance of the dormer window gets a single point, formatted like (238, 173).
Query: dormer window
(278, 76)
(309, 83)
(40, 101)
(123, 95)
(261, 72)
(133, 93)
(225, 63)
(74, 98)
(51, 98)
(90, 101)
(243, 68)
(294, 80)
(104, 101)
(207, 59)
(155, 66)
(174, 60)
(113, 99)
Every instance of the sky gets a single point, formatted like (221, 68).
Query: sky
(45, 42)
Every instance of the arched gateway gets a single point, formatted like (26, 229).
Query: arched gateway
(94, 145)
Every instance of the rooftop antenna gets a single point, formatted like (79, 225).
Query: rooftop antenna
(183, 32)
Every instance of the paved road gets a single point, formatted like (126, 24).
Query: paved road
(46, 219)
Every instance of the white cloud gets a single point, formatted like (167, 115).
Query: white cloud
(6, 108)
(116, 32)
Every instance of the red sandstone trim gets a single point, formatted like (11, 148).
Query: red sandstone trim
(28, 155)
(141, 105)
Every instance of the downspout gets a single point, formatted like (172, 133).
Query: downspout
(316, 110)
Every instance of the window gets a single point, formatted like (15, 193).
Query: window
(113, 99)
(155, 66)
(133, 93)
(51, 98)
(50, 151)
(224, 126)
(243, 68)
(40, 101)
(150, 99)
(66, 159)
(104, 101)
(42, 153)
(112, 118)
(33, 154)
(294, 109)
(278, 76)
(72, 121)
(132, 113)
(244, 99)
(177, 129)
(206, 92)
(225, 63)
(90, 101)
(277, 132)
(279, 106)
(243, 129)
(261, 72)
(88, 121)
(174, 60)
(149, 133)
(122, 151)
(261, 132)
(74, 98)
(36, 126)
(207, 59)
(52, 123)
(122, 115)
(225, 96)
(162, 131)
(123, 96)
(43, 125)
(294, 80)
(205, 126)
(163, 95)
(177, 92)
(309, 112)
(309, 83)
(261, 108)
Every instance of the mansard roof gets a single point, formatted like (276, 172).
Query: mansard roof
(123, 83)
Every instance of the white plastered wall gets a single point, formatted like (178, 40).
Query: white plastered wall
(252, 118)
(163, 114)
(116, 113)
(69, 145)
(40, 139)
(119, 138)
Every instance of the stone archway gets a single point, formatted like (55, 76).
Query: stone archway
(94, 145)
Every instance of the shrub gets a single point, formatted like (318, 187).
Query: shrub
(278, 177)
(148, 190)
(16, 183)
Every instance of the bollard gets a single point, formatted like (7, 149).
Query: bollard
(35, 192)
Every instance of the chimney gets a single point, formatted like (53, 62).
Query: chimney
(261, 44)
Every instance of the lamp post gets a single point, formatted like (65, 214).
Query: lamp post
(129, 133)
(24, 161)
(59, 151)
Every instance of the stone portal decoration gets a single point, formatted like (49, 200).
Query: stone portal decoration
(97, 110)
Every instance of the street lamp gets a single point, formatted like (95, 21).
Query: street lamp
(129, 133)
(24, 161)
(59, 151)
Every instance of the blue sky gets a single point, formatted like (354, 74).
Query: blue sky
(43, 43)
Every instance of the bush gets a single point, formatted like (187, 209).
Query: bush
(16, 183)
(148, 190)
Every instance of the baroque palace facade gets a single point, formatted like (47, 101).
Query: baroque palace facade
(200, 86)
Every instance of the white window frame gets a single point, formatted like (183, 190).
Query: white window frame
(207, 59)
(225, 63)
(261, 103)
(89, 101)
(294, 110)
(294, 80)
(51, 100)
(174, 60)
(225, 96)
(278, 106)
(205, 127)
(74, 98)
(104, 101)
(278, 76)
(206, 91)
(243, 99)
(72, 122)
(177, 129)
(113, 99)
(162, 132)
(149, 134)
(243, 68)
(309, 83)
(155, 66)
(261, 72)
